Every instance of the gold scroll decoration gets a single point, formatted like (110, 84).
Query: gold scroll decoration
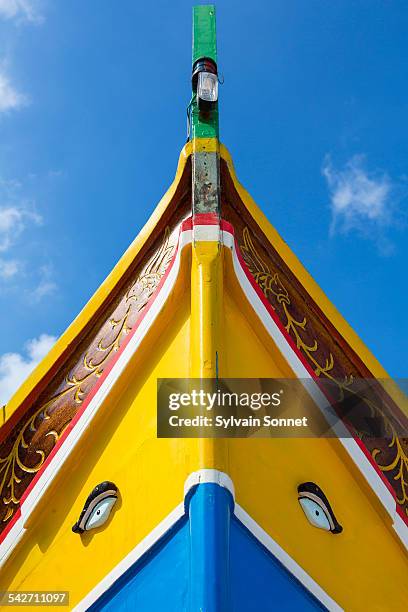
(25, 450)
(392, 457)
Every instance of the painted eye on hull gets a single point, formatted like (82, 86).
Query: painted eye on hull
(97, 507)
(317, 508)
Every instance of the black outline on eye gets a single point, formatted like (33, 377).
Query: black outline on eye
(104, 490)
(310, 490)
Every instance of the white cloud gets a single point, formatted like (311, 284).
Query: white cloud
(46, 285)
(10, 98)
(43, 289)
(20, 10)
(13, 220)
(18, 216)
(359, 199)
(9, 268)
(15, 367)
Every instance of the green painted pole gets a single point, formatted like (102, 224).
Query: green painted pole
(204, 32)
(204, 125)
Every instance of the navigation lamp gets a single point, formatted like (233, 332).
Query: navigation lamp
(207, 90)
(205, 83)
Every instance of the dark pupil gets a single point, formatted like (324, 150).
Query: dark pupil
(98, 512)
(317, 512)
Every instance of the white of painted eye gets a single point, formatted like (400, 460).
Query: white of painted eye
(100, 513)
(315, 513)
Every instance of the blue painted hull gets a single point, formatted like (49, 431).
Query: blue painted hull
(208, 561)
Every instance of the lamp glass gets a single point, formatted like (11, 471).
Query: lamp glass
(207, 88)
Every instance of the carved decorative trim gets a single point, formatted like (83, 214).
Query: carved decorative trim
(396, 465)
(26, 448)
(272, 287)
(390, 457)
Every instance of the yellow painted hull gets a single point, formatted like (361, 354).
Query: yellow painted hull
(206, 312)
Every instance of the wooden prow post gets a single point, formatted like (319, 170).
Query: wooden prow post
(207, 253)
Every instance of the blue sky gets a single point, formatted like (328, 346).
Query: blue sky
(93, 97)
